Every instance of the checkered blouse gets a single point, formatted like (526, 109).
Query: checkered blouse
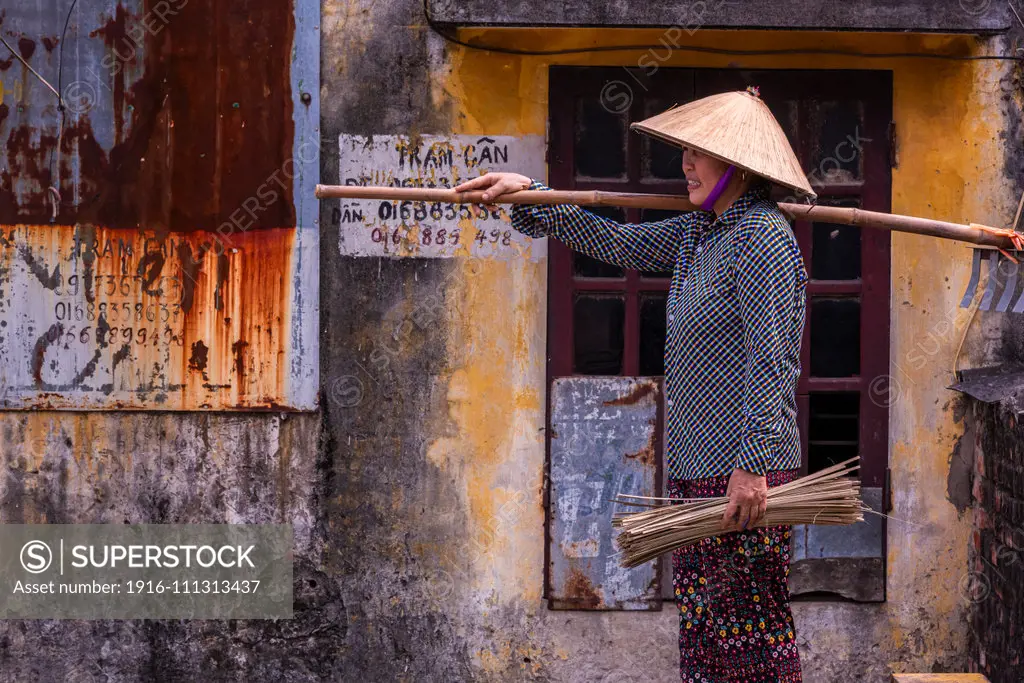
(735, 322)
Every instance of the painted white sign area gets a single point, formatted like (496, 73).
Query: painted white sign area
(370, 227)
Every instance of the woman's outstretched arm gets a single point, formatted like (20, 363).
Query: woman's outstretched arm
(640, 246)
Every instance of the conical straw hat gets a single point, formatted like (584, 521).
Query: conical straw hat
(736, 127)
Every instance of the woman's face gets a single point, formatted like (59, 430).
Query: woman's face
(702, 174)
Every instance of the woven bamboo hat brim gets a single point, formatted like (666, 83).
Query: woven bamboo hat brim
(736, 127)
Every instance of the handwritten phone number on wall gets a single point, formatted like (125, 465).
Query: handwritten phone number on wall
(125, 285)
(428, 237)
(112, 335)
(115, 312)
(419, 211)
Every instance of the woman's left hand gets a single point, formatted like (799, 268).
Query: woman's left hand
(748, 500)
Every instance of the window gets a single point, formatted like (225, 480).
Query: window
(608, 322)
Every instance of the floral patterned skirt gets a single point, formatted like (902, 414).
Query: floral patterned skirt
(735, 624)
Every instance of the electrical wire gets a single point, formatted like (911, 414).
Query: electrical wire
(963, 338)
(438, 29)
(1015, 13)
(29, 67)
(54, 171)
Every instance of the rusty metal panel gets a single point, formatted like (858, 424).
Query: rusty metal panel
(158, 237)
(604, 436)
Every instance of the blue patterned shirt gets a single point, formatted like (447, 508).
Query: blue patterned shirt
(735, 311)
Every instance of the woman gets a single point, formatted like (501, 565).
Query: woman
(732, 358)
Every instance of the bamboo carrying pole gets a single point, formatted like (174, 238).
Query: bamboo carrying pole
(973, 233)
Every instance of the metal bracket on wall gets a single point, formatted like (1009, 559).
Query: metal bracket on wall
(1002, 275)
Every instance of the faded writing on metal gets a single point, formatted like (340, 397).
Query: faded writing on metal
(431, 229)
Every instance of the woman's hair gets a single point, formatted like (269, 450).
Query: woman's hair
(760, 182)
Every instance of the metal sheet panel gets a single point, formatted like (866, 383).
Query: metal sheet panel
(604, 434)
(158, 237)
(863, 539)
(846, 560)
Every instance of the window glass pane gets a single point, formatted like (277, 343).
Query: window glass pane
(652, 334)
(600, 141)
(836, 252)
(585, 266)
(833, 429)
(658, 159)
(837, 127)
(598, 329)
(835, 337)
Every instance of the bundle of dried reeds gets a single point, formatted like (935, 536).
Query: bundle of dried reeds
(825, 497)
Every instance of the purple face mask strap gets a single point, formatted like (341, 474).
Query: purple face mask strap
(709, 203)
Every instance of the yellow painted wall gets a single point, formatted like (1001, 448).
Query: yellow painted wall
(950, 167)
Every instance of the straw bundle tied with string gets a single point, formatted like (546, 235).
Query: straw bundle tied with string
(825, 497)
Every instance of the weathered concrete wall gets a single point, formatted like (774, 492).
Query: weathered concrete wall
(135, 468)
(434, 427)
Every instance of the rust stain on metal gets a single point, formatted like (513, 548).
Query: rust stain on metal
(166, 274)
(588, 547)
(133, 333)
(161, 271)
(646, 454)
(642, 391)
(27, 48)
(199, 358)
(580, 590)
(196, 136)
(115, 36)
(238, 350)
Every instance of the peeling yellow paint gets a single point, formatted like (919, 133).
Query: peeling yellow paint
(491, 393)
